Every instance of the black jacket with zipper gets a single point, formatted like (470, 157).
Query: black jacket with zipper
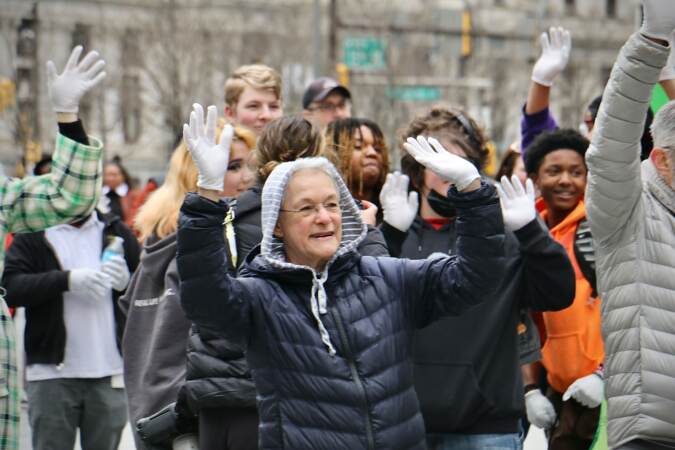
(467, 369)
(33, 279)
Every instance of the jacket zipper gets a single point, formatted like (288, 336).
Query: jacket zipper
(355, 376)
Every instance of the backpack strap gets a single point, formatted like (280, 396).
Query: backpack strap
(584, 252)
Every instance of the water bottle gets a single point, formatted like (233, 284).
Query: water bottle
(115, 247)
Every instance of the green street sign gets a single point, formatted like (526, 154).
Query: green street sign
(365, 53)
(414, 93)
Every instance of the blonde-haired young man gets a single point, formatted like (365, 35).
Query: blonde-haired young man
(253, 97)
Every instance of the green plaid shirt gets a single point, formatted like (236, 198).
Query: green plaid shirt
(69, 192)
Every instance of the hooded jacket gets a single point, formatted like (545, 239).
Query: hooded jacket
(34, 279)
(467, 368)
(330, 352)
(573, 347)
(156, 333)
(631, 211)
(247, 227)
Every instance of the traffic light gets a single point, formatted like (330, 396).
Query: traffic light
(342, 74)
(466, 33)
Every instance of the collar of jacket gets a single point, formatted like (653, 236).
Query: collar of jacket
(657, 186)
(250, 200)
(569, 223)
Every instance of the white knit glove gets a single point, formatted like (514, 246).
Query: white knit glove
(540, 411)
(659, 19)
(118, 272)
(67, 88)
(399, 207)
(517, 203)
(668, 72)
(452, 168)
(555, 53)
(588, 391)
(210, 157)
(89, 281)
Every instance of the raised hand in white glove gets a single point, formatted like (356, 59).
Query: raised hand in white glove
(555, 53)
(659, 19)
(517, 203)
(210, 157)
(540, 411)
(118, 272)
(588, 391)
(67, 88)
(431, 154)
(399, 207)
(89, 281)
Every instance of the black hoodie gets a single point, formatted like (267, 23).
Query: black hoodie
(467, 370)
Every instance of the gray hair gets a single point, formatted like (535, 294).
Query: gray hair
(663, 128)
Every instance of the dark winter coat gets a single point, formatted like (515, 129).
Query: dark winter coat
(362, 396)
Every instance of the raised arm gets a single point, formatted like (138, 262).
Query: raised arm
(210, 297)
(613, 159)
(71, 190)
(555, 53)
(443, 286)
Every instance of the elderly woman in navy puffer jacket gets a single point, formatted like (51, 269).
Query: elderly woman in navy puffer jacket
(329, 332)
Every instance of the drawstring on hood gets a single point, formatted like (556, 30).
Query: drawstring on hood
(272, 248)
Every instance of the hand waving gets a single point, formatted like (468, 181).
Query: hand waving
(517, 203)
(67, 88)
(431, 154)
(555, 53)
(399, 207)
(210, 157)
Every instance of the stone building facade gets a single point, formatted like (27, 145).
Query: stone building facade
(400, 57)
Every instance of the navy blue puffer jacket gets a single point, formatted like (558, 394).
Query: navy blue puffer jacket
(363, 395)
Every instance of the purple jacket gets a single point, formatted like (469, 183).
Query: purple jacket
(531, 125)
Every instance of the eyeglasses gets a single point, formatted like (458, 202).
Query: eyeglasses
(315, 210)
(329, 107)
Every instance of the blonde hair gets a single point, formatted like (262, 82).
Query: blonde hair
(159, 214)
(258, 76)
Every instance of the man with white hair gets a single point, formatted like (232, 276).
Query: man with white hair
(631, 209)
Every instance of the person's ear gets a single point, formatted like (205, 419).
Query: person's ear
(659, 159)
(535, 179)
(277, 233)
(229, 112)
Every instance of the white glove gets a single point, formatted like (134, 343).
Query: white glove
(555, 53)
(458, 171)
(588, 391)
(659, 19)
(540, 411)
(399, 207)
(66, 89)
(668, 72)
(517, 203)
(89, 281)
(116, 269)
(211, 158)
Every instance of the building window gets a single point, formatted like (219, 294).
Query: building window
(570, 6)
(131, 108)
(611, 8)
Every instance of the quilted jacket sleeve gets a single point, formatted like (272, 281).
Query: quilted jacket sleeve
(211, 298)
(614, 182)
